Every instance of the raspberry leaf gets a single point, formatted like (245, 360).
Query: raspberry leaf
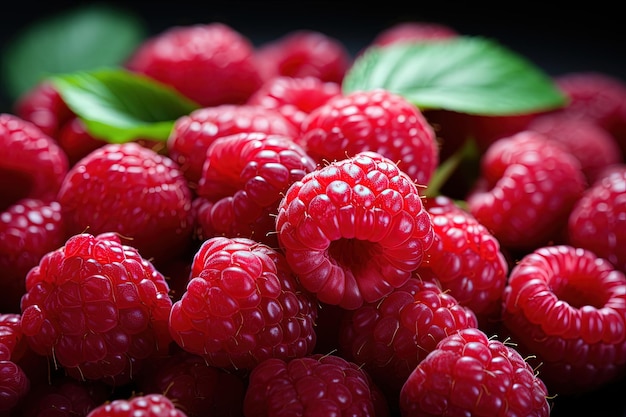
(467, 74)
(87, 37)
(119, 106)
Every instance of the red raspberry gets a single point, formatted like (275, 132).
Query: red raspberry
(11, 333)
(567, 307)
(134, 191)
(150, 405)
(243, 181)
(471, 374)
(28, 230)
(596, 97)
(598, 220)
(294, 97)
(192, 134)
(242, 305)
(466, 259)
(354, 230)
(304, 53)
(32, 163)
(391, 337)
(593, 146)
(527, 188)
(196, 387)
(211, 64)
(14, 384)
(414, 31)
(316, 385)
(378, 121)
(96, 308)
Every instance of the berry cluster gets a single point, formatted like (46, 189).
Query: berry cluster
(285, 252)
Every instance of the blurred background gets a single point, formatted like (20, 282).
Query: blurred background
(558, 39)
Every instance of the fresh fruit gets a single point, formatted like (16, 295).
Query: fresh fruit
(32, 165)
(414, 31)
(96, 308)
(469, 374)
(304, 53)
(29, 229)
(354, 230)
(389, 338)
(14, 384)
(132, 191)
(211, 63)
(244, 178)
(526, 191)
(315, 385)
(192, 134)
(242, 305)
(150, 405)
(377, 121)
(567, 308)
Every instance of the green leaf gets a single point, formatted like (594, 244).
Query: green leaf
(465, 74)
(118, 106)
(84, 38)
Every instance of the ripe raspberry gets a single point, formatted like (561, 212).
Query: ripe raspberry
(192, 134)
(196, 387)
(593, 146)
(133, 191)
(354, 230)
(470, 374)
(597, 97)
(242, 305)
(526, 191)
(414, 31)
(304, 53)
(598, 220)
(567, 307)
(466, 259)
(243, 181)
(390, 337)
(11, 333)
(211, 64)
(294, 97)
(316, 385)
(14, 384)
(150, 405)
(378, 121)
(96, 308)
(28, 230)
(32, 163)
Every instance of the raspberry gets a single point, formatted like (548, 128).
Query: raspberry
(242, 305)
(470, 374)
(192, 134)
(304, 53)
(378, 121)
(211, 64)
(414, 31)
(294, 97)
(596, 97)
(526, 191)
(133, 191)
(243, 181)
(32, 164)
(316, 385)
(196, 387)
(391, 337)
(466, 259)
(28, 230)
(593, 146)
(354, 230)
(150, 405)
(567, 307)
(598, 220)
(11, 333)
(14, 384)
(96, 308)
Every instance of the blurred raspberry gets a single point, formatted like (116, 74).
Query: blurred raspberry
(150, 405)
(414, 31)
(14, 384)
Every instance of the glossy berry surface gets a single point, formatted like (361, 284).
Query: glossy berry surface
(354, 230)
(150, 405)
